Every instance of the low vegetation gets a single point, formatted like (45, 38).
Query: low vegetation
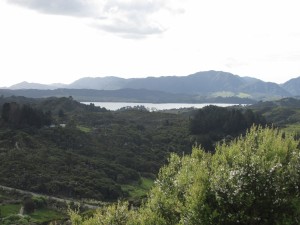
(23, 209)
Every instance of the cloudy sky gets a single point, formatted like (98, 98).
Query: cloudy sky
(59, 41)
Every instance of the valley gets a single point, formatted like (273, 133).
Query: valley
(87, 153)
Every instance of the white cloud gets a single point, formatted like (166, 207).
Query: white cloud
(127, 18)
(132, 18)
(84, 8)
(56, 41)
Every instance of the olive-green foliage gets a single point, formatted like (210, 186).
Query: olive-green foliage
(116, 214)
(254, 180)
(281, 112)
(39, 202)
(9, 209)
(16, 219)
(258, 179)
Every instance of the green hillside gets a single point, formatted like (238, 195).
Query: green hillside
(86, 152)
(59, 147)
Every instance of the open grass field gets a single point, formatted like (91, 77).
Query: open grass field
(45, 215)
(10, 206)
(9, 209)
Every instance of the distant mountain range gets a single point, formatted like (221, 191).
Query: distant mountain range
(292, 86)
(27, 85)
(208, 84)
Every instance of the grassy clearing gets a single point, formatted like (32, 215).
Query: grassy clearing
(139, 190)
(9, 209)
(84, 129)
(45, 215)
(243, 95)
(223, 94)
(9, 213)
(146, 183)
(227, 94)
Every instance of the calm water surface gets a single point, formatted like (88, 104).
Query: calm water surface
(154, 106)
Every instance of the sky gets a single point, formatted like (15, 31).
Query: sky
(60, 41)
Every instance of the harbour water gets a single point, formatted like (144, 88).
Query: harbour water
(154, 106)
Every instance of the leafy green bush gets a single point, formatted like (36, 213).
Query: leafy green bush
(39, 202)
(255, 180)
(116, 214)
(15, 219)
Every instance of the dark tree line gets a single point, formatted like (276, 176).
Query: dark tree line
(20, 116)
(213, 123)
(225, 120)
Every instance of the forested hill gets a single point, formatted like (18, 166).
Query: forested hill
(125, 95)
(293, 86)
(83, 151)
(284, 113)
(202, 84)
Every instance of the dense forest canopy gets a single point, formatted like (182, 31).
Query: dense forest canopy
(58, 146)
(212, 124)
(87, 152)
(17, 116)
(230, 121)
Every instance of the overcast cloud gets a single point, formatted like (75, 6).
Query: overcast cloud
(127, 18)
(132, 18)
(50, 41)
(84, 8)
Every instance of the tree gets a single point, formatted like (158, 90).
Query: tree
(5, 112)
(61, 113)
(212, 124)
(20, 116)
(255, 180)
(115, 214)
(28, 205)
